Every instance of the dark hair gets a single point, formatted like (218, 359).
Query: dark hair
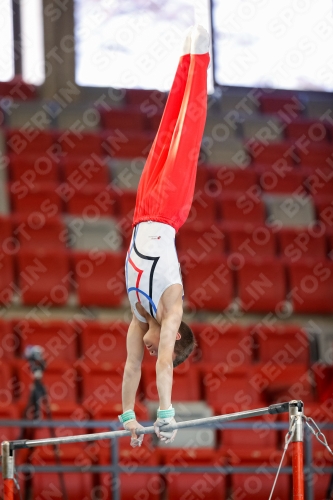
(185, 345)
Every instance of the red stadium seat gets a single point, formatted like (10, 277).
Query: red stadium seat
(135, 97)
(234, 179)
(31, 142)
(186, 385)
(107, 341)
(261, 284)
(223, 385)
(208, 283)
(206, 486)
(124, 119)
(79, 171)
(7, 383)
(307, 129)
(277, 153)
(101, 385)
(320, 182)
(130, 145)
(279, 381)
(31, 169)
(8, 342)
(324, 207)
(6, 260)
(38, 231)
(203, 209)
(280, 102)
(47, 484)
(258, 437)
(253, 486)
(324, 381)
(126, 203)
(315, 155)
(298, 243)
(241, 208)
(198, 239)
(217, 344)
(100, 278)
(93, 200)
(58, 338)
(202, 182)
(139, 485)
(43, 276)
(18, 89)
(252, 241)
(9, 412)
(279, 182)
(42, 198)
(110, 411)
(311, 284)
(80, 143)
(274, 341)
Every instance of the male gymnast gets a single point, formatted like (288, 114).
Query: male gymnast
(164, 198)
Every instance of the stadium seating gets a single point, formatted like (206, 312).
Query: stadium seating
(279, 153)
(208, 486)
(280, 101)
(242, 208)
(186, 385)
(276, 182)
(80, 143)
(252, 240)
(309, 129)
(101, 384)
(79, 171)
(116, 144)
(36, 230)
(31, 169)
(275, 341)
(315, 155)
(33, 142)
(40, 280)
(99, 277)
(7, 383)
(58, 338)
(261, 284)
(320, 181)
(218, 344)
(125, 119)
(197, 239)
(311, 284)
(6, 261)
(104, 341)
(16, 88)
(42, 198)
(208, 283)
(297, 243)
(234, 179)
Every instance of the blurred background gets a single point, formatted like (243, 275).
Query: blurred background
(83, 85)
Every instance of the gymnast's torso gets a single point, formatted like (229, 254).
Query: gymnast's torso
(151, 266)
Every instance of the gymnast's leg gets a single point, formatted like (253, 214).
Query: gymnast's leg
(167, 184)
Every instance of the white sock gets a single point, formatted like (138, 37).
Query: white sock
(187, 41)
(200, 40)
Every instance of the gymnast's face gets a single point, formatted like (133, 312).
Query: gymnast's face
(152, 339)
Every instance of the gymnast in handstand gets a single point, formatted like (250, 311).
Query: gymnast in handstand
(164, 198)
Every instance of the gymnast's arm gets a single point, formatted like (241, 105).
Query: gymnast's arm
(172, 312)
(132, 371)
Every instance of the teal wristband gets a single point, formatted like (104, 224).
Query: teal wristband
(166, 413)
(128, 415)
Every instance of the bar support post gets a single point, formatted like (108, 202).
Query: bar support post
(7, 471)
(296, 411)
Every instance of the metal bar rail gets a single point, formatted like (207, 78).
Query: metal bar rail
(295, 409)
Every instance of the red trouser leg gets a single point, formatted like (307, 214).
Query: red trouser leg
(166, 187)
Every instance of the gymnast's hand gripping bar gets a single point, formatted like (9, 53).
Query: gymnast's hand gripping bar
(200, 422)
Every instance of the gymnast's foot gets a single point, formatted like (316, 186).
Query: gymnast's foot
(187, 41)
(200, 40)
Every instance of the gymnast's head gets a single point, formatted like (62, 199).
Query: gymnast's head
(184, 345)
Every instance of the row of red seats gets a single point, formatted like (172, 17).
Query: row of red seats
(96, 200)
(106, 341)
(256, 284)
(289, 152)
(97, 384)
(30, 231)
(133, 143)
(26, 172)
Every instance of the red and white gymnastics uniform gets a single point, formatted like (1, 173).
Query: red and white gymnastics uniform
(166, 187)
